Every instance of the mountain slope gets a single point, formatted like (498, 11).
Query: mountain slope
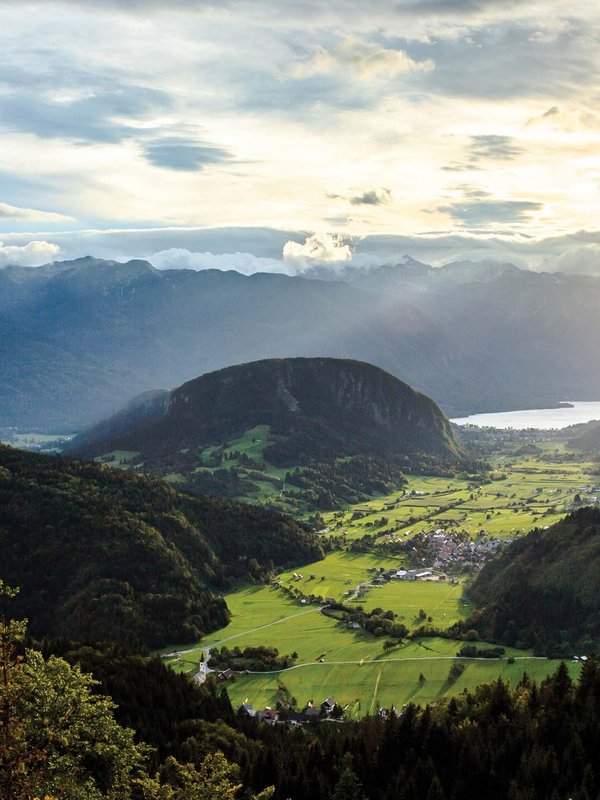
(156, 328)
(101, 554)
(543, 591)
(324, 407)
(587, 437)
(297, 434)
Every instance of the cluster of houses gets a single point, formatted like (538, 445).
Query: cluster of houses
(452, 552)
(328, 711)
(586, 496)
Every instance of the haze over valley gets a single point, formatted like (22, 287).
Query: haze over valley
(82, 338)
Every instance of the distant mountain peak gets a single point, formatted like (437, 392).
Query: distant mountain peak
(476, 271)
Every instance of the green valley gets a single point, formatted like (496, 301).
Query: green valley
(386, 534)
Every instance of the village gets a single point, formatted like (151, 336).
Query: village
(454, 552)
(329, 711)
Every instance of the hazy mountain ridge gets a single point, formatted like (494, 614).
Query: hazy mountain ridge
(476, 337)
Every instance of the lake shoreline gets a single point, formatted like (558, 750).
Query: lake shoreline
(557, 417)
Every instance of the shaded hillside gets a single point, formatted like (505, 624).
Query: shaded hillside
(543, 591)
(297, 434)
(317, 409)
(586, 438)
(152, 328)
(101, 554)
(83, 337)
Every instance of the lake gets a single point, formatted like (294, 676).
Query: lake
(544, 418)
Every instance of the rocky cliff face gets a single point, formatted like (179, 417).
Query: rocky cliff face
(321, 407)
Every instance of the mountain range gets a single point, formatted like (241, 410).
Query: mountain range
(80, 338)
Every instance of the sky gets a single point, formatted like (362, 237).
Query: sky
(274, 135)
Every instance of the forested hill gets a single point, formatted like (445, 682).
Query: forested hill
(317, 409)
(100, 554)
(587, 437)
(543, 591)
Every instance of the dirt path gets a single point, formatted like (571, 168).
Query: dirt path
(364, 661)
(373, 701)
(204, 669)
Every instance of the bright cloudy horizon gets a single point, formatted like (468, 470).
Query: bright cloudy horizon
(449, 129)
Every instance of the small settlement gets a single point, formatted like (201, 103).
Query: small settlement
(312, 713)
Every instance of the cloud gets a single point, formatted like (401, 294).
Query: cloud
(33, 254)
(579, 260)
(482, 213)
(477, 208)
(260, 249)
(105, 114)
(374, 197)
(182, 154)
(564, 121)
(320, 248)
(367, 60)
(246, 263)
(483, 148)
(494, 147)
(368, 197)
(14, 212)
(317, 250)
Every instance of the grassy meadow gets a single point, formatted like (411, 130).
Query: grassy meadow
(352, 665)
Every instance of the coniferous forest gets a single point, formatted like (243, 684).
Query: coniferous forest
(162, 736)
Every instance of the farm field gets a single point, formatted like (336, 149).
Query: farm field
(385, 678)
(441, 601)
(527, 492)
(265, 616)
(391, 681)
(34, 441)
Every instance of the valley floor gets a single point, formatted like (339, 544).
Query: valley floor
(351, 665)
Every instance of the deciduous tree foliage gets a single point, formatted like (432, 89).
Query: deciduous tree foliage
(59, 739)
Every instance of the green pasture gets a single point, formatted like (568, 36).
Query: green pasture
(339, 573)
(439, 599)
(252, 445)
(391, 680)
(43, 442)
(119, 458)
(352, 665)
(263, 615)
(330, 653)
